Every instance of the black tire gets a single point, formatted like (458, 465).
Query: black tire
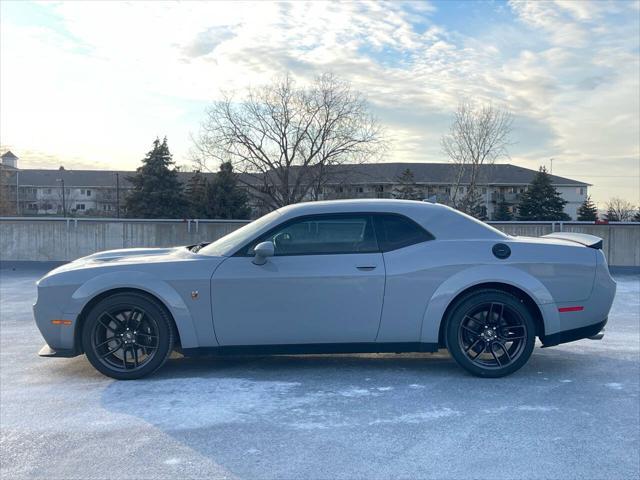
(490, 333)
(128, 335)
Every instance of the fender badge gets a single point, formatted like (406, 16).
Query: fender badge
(194, 295)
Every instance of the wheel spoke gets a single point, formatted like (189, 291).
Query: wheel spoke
(112, 351)
(513, 332)
(488, 316)
(135, 356)
(484, 347)
(473, 344)
(471, 331)
(500, 313)
(110, 339)
(132, 317)
(504, 349)
(105, 325)
(114, 320)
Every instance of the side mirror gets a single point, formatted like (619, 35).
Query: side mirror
(262, 252)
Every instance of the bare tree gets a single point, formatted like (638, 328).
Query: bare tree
(619, 210)
(478, 135)
(284, 139)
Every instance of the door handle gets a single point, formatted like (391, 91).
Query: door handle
(367, 268)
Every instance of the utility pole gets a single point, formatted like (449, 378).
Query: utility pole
(551, 160)
(117, 195)
(64, 202)
(17, 193)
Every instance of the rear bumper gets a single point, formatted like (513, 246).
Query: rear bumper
(575, 334)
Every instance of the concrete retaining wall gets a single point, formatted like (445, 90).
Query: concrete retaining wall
(46, 239)
(60, 240)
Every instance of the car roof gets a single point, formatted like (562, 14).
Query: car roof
(355, 205)
(442, 221)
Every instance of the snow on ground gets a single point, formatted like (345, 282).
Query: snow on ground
(572, 412)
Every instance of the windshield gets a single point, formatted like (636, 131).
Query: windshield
(239, 237)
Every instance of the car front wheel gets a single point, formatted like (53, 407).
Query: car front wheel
(490, 333)
(127, 336)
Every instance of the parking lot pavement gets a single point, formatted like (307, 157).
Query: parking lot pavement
(572, 412)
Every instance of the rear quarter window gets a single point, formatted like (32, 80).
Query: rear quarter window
(398, 231)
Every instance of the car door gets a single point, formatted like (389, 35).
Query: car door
(324, 284)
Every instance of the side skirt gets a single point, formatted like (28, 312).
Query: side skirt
(313, 348)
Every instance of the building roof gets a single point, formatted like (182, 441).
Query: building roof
(84, 178)
(444, 173)
(8, 155)
(427, 173)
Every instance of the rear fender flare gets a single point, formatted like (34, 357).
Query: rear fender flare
(461, 281)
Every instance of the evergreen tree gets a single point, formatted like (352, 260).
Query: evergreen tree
(225, 199)
(542, 201)
(156, 193)
(474, 206)
(636, 217)
(502, 212)
(406, 188)
(196, 192)
(588, 211)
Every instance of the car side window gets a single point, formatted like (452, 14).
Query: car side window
(397, 231)
(322, 235)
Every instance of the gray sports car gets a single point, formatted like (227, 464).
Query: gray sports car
(332, 277)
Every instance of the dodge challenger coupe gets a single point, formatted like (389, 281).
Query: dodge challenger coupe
(332, 277)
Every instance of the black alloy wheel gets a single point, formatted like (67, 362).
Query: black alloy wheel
(490, 333)
(128, 336)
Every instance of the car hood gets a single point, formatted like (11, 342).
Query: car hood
(125, 257)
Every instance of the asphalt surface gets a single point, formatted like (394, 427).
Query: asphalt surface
(572, 412)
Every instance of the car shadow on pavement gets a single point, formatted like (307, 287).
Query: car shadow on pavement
(295, 416)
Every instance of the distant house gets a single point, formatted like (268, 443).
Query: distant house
(100, 192)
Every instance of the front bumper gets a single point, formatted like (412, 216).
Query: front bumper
(47, 351)
(589, 331)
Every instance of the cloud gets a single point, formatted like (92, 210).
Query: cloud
(98, 81)
(206, 41)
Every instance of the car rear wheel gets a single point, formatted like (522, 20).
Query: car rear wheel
(127, 336)
(490, 333)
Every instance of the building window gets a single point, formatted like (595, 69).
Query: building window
(484, 190)
(106, 207)
(32, 206)
(360, 189)
(79, 206)
(581, 190)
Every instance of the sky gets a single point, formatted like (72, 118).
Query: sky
(90, 85)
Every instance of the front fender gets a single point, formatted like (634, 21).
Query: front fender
(140, 281)
(473, 276)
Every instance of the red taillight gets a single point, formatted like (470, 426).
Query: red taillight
(570, 309)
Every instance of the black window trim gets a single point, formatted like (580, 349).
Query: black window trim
(243, 251)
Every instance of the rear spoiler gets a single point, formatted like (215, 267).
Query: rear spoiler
(590, 241)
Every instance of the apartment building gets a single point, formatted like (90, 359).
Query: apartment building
(102, 192)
